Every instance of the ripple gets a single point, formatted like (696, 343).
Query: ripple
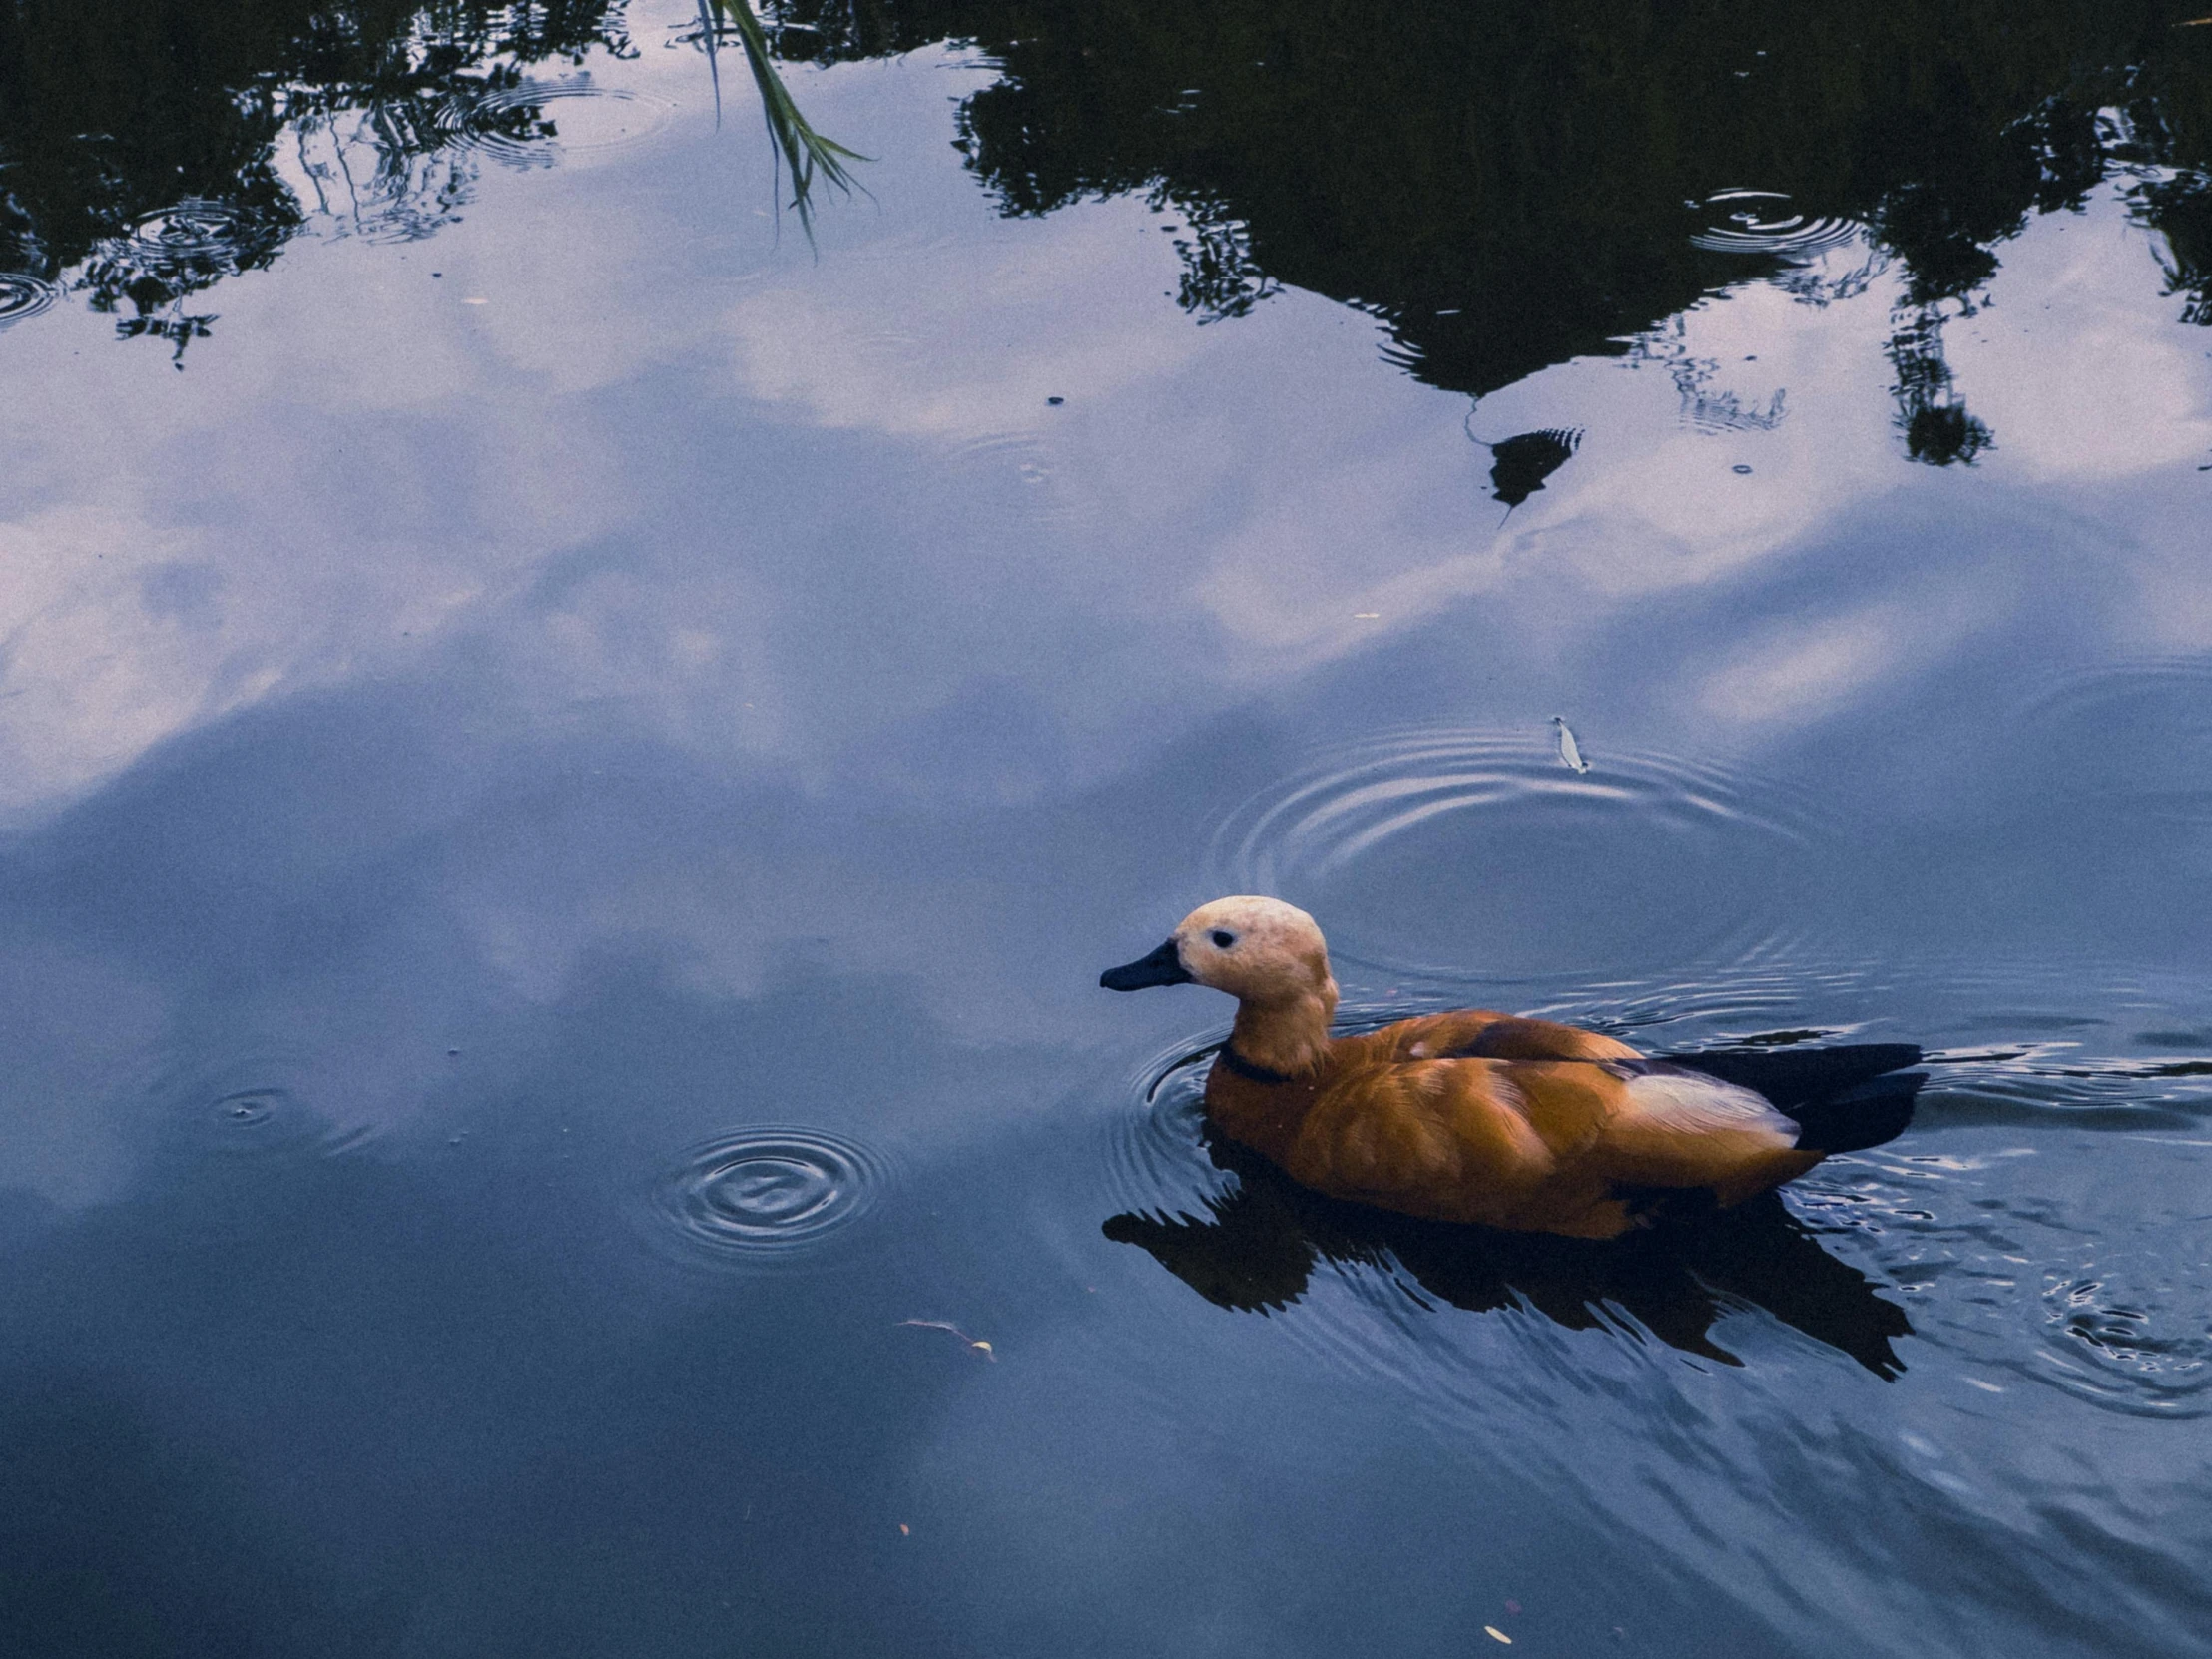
(2122, 1343)
(1156, 1157)
(196, 232)
(2127, 691)
(1474, 855)
(2150, 719)
(23, 296)
(2059, 1084)
(535, 124)
(2125, 752)
(2113, 1308)
(763, 1190)
(241, 1117)
(1759, 222)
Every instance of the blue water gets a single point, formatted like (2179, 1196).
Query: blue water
(571, 755)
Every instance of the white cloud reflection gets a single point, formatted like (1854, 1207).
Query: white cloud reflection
(886, 508)
(802, 546)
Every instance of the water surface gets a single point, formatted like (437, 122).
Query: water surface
(569, 759)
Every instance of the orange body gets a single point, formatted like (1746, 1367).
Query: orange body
(1516, 1123)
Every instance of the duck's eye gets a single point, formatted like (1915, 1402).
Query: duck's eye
(1222, 940)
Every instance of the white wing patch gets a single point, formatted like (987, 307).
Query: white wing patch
(1700, 1105)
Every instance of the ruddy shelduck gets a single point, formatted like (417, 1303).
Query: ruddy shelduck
(1497, 1120)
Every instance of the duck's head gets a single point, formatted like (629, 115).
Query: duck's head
(1257, 949)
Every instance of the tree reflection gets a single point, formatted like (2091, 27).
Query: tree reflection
(1257, 1246)
(1504, 184)
(2181, 206)
(141, 141)
(147, 151)
(1938, 429)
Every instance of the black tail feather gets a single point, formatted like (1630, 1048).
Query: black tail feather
(1858, 1118)
(1844, 1099)
(1792, 1076)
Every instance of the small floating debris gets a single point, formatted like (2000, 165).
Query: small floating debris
(1570, 751)
(981, 1348)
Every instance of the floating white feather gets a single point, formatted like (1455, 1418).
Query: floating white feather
(1570, 751)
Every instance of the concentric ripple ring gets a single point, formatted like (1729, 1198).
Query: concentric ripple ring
(193, 231)
(1155, 1154)
(519, 125)
(769, 1188)
(23, 296)
(1759, 222)
(1475, 856)
(267, 1118)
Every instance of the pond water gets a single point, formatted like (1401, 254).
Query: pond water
(570, 754)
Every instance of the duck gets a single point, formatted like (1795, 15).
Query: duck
(1502, 1120)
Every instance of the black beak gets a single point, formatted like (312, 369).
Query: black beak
(1162, 967)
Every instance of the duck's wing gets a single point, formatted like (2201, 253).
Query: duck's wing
(1479, 1034)
(1543, 1039)
(1475, 1140)
(1559, 1146)
(1671, 1127)
(1425, 1037)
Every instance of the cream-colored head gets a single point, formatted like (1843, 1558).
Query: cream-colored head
(1256, 949)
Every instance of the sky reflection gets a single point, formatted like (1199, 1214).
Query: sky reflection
(577, 517)
(526, 708)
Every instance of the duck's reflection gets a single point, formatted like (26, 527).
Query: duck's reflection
(1258, 1245)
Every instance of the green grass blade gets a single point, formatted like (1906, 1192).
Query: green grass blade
(808, 155)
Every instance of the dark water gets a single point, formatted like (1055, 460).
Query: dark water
(569, 765)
